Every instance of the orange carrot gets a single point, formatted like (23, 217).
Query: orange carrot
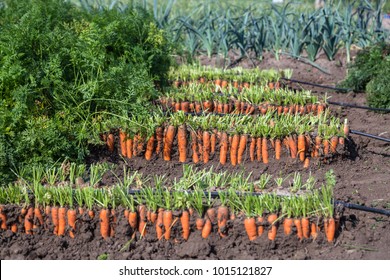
(199, 138)
(237, 107)
(318, 142)
(129, 147)
(104, 223)
(287, 226)
(28, 220)
(38, 216)
(168, 142)
(264, 150)
(3, 218)
(153, 217)
(223, 149)
(142, 219)
(330, 229)
(292, 143)
(278, 148)
(258, 150)
(71, 214)
(234, 149)
(14, 228)
(159, 138)
(177, 106)
(126, 214)
(301, 147)
(133, 220)
(222, 217)
(135, 145)
(326, 146)
(272, 221)
(199, 223)
(182, 142)
(260, 228)
(211, 214)
(167, 221)
(140, 146)
(185, 106)
(206, 146)
(159, 223)
(252, 148)
(110, 142)
(226, 108)
(185, 224)
(314, 230)
(305, 227)
(241, 148)
(306, 163)
(207, 228)
(122, 140)
(61, 220)
(298, 225)
(113, 223)
(149, 148)
(334, 141)
(213, 141)
(194, 147)
(91, 214)
(250, 228)
(54, 218)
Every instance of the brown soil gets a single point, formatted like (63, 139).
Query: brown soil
(363, 177)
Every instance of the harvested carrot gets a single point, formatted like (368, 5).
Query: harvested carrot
(226, 108)
(213, 141)
(287, 226)
(330, 229)
(264, 150)
(71, 215)
(149, 148)
(29, 220)
(234, 149)
(122, 140)
(305, 227)
(91, 214)
(61, 220)
(258, 148)
(298, 225)
(194, 147)
(252, 148)
(104, 223)
(199, 223)
(185, 106)
(126, 214)
(260, 227)
(250, 228)
(326, 147)
(110, 142)
(54, 218)
(171, 131)
(211, 214)
(3, 218)
(318, 142)
(113, 223)
(129, 147)
(38, 217)
(153, 217)
(334, 141)
(182, 142)
(301, 147)
(159, 138)
(199, 138)
(241, 148)
(306, 163)
(185, 224)
(223, 149)
(159, 223)
(135, 145)
(133, 220)
(278, 149)
(314, 230)
(177, 106)
(140, 146)
(272, 221)
(222, 218)
(167, 221)
(14, 228)
(142, 219)
(292, 143)
(206, 146)
(207, 228)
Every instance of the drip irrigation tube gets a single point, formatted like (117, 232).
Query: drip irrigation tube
(215, 194)
(317, 85)
(357, 106)
(369, 135)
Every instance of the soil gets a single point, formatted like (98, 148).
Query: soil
(363, 177)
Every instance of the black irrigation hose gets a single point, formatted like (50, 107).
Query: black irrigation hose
(317, 85)
(369, 135)
(215, 194)
(357, 106)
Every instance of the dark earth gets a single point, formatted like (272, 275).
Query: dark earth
(363, 177)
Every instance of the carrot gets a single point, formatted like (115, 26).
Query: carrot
(149, 148)
(314, 230)
(306, 163)
(208, 106)
(320, 108)
(318, 142)
(199, 223)
(330, 229)
(219, 108)
(167, 221)
(171, 131)
(185, 224)
(226, 108)
(260, 228)
(135, 145)
(297, 223)
(140, 146)
(326, 146)
(104, 223)
(126, 214)
(28, 220)
(182, 142)
(272, 232)
(280, 110)
(110, 142)
(301, 147)
(71, 215)
(194, 147)
(334, 141)
(113, 224)
(258, 150)
(232, 216)
(213, 141)
(252, 149)
(305, 227)
(91, 214)
(243, 106)
(133, 220)
(153, 217)
(206, 146)
(237, 107)
(207, 228)
(177, 107)
(250, 228)
(198, 107)
(61, 220)
(38, 216)
(54, 218)
(185, 106)
(234, 149)
(346, 129)
(3, 218)
(14, 228)
(122, 142)
(341, 141)
(287, 226)
(159, 137)
(199, 138)
(211, 214)
(159, 223)
(264, 150)
(241, 148)
(142, 220)
(222, 217)
(278, 148)
(223, 149)
(293, 146)
(129, 147)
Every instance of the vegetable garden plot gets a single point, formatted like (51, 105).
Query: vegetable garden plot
(44, 204)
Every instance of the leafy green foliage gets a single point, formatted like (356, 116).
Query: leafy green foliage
(378, 94)
(63, 69)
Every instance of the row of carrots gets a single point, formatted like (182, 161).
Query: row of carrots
(63, 221)
(204, 144)
(240, 107)
(225, 83)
